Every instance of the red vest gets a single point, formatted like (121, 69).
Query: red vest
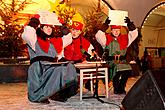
(122, 40)
(44, 44)
(73, 51)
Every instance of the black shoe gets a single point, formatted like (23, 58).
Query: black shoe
(58, 97)
(71, 91)
(46, 101)
(122, 92)
(116, 92)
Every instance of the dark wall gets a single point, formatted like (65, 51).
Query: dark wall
(10, 73)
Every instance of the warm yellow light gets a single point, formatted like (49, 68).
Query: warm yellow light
(49, 5)
(38, 5)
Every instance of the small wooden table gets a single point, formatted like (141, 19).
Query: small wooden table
(92, 70)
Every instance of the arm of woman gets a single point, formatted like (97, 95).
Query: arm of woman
(132, 35)
(101, 38)
(67, 39)
(90, 49)
(29, 36)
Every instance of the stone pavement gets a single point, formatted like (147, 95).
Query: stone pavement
(13, 96)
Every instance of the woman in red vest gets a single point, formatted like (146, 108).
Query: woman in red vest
(80, 49)
(57, 82)
(116, 45)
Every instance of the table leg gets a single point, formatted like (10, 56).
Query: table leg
(81, 85)
(106, 82)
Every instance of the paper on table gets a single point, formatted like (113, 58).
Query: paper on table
(117, 17)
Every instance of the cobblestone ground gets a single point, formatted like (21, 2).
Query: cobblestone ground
(13, 96)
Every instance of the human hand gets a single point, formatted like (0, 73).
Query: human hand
(65, 30)
(105, 25)
(34, 22)
(130, 24)
(127, 20)
(107, 21)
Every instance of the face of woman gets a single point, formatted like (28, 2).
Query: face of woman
(75, 33)
(115, 32)
(47, 30)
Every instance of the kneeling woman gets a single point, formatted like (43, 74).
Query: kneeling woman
(57, 82)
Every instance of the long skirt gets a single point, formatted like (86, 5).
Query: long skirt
(46, 80)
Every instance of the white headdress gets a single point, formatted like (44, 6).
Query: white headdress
(49, 18)
(117, 17)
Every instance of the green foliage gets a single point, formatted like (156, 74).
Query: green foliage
(93, 22)
(66, 13)
(11, 44)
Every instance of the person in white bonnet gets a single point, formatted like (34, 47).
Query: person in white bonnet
(46, 82)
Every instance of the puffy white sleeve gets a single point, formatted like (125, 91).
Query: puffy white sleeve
(67, 39)
(90, 49)
(101, 38)
(132, 35)
(29, 36)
